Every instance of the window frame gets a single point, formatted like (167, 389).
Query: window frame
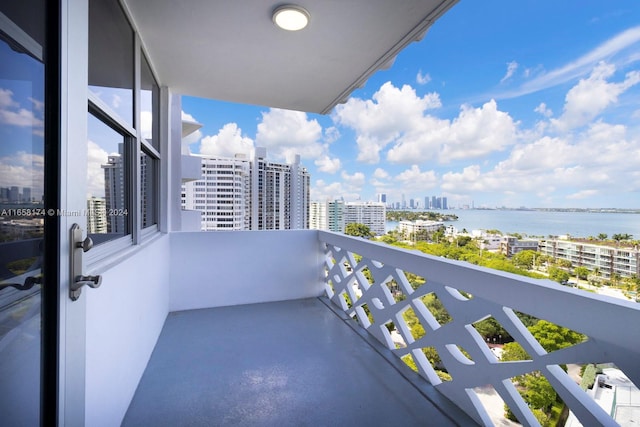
(135, 146)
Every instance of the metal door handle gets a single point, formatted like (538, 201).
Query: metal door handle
(79, 246)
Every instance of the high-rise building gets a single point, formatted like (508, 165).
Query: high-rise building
(281, 201)
(249, 194)
(434, 202)
(26, 194)
(444, 203)
(371, 214)
(96, 215)
(14, 194)
(381, 197)
(114, 192)
(327, 215)
(221, 195)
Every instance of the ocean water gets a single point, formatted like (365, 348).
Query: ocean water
(544, 223)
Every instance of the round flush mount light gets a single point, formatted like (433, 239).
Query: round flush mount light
(290, 17)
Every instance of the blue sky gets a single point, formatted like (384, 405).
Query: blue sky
(533, 103)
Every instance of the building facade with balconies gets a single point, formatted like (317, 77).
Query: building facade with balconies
(371, 214)
(607, 260)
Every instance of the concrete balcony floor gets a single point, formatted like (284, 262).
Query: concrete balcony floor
(290, 363)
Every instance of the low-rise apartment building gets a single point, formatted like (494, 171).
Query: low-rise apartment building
(605, 259)
(510, 246)
(418, 229)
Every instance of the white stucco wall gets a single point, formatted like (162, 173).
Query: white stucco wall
(124, 318)
(213, 269)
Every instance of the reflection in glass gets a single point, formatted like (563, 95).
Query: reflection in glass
(107, 206)
(149, 98)
(148, 171)
(111, 46)
(21, 220)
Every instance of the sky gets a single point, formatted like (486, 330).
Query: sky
(532, 103)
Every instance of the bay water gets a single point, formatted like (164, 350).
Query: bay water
(544, 223)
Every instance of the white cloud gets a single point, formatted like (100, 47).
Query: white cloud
(37, 105)
(414, 180)
(96, 157)
(188, 117)
(331, 134)
(474, 133)
(544, 110)
(381, 173)
(583, 194)
(570, 167)
(618, 48)
(116, 101)
(423, 79)
(227, 142)
(380, 121)
(328, 164)
(322, 191)
(356, 180)
(511, 69)
(23, 169)
(591, 96)
(286, 133)
(6, 99)
(146, 124)
(12, 114)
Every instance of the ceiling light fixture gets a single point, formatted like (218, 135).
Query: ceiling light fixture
(290, 17)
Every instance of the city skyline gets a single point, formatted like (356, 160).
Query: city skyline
(543, 114)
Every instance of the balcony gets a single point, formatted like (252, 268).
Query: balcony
(273, 328)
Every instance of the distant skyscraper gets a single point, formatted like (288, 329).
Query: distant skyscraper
(26, 194)
(434, 202)
(381, 197)
(14, 194)
(404, 202)
(427, 205)
(444, 203)
(114, 192)
(412, 204)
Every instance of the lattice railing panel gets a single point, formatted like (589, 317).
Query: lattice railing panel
(368, 281)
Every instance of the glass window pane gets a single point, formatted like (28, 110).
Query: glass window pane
(111, 46)
(148, 189)
(149, 98)
(21, 215)
(107, 189)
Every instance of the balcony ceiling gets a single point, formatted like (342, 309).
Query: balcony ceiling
(232, 51)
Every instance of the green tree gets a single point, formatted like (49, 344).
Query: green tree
(358, 230)
(463, 241)
(524, 259)
(553, 337)
(513, 352)
(558, 275)
(602, 236)
(622, 236)
(538, 393)
(581, 272)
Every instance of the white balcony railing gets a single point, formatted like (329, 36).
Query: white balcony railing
(609, 324)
